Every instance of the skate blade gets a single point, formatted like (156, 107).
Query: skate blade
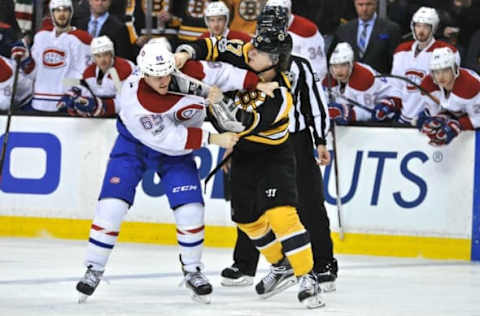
(328, 287)
(82, 298)
(285, 285)
(203, 299)
(313, 302)
(243, 281)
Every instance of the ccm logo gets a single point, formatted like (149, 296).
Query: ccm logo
(53, 58)
(184, 188)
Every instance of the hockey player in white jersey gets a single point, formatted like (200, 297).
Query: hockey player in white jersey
(63, 52)
(307, 40)
(453, 103)
(159, 129)
(411, 59)
(103, 78)
(24, 85)
(358, 94)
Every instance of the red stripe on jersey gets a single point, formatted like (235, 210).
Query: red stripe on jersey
(466, 123)
(23, 16)
(83, 36)
(154, 102)
(194, 69)
(194, 138)
(124, 68)
(362, 78)
(4, 25)
(404, 47)
(302, 26)
(440, 44)
(109, 105)
(5, 71)
(466, 86)
(428, 84)
(90, 71)
(251, 81)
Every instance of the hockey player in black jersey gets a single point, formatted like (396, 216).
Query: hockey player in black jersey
(263, 170)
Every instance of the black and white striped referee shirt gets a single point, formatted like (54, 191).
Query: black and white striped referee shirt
(310, 103)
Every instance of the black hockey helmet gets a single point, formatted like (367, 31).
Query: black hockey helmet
(273, 17)
(276, 42)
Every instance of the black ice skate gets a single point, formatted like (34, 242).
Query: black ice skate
(309, 291)
(327, 276)
(87, 285)
(198, 283)
(279, 278)
(232, 276)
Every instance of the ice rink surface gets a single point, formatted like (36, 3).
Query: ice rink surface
(38, 277)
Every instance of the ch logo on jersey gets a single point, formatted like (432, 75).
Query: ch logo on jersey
(416, 76)
(196, 8)
(53, 58)
(188, 112)
(271, 193)
(249, 9)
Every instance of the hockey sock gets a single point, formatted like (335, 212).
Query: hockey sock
(104, 231)
(190, 234)
(295, 240)
(264, 239)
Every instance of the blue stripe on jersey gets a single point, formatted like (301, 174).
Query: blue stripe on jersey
(190, 244)
(100, 244)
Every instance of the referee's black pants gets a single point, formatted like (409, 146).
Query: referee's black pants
(311, 210)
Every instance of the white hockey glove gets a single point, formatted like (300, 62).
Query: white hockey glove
(224, 113)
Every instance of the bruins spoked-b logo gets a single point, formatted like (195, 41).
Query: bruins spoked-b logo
(249, 9)
(196, 7)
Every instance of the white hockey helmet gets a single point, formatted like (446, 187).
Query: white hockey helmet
(443, 58)
(156, 60)
(343, 53)
(217, 8)
(280, 3)
(101, 44)
(161, 40)
(425, 15)
(54, 4)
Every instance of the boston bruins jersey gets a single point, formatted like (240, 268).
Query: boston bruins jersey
(190, 12)
(266, 118)
(244, 14)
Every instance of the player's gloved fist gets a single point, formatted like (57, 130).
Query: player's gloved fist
(385, 110)
(19, 51)
(449, 130)
(66, 103)
(340, 113)
(89, 107)
(429, 125)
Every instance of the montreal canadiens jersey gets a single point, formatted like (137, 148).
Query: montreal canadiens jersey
(105, 86)
(57, 58)
(171, 123)
(308, 42)
(463, 99)
(363, 88)
(24, 85)
(415, 68)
